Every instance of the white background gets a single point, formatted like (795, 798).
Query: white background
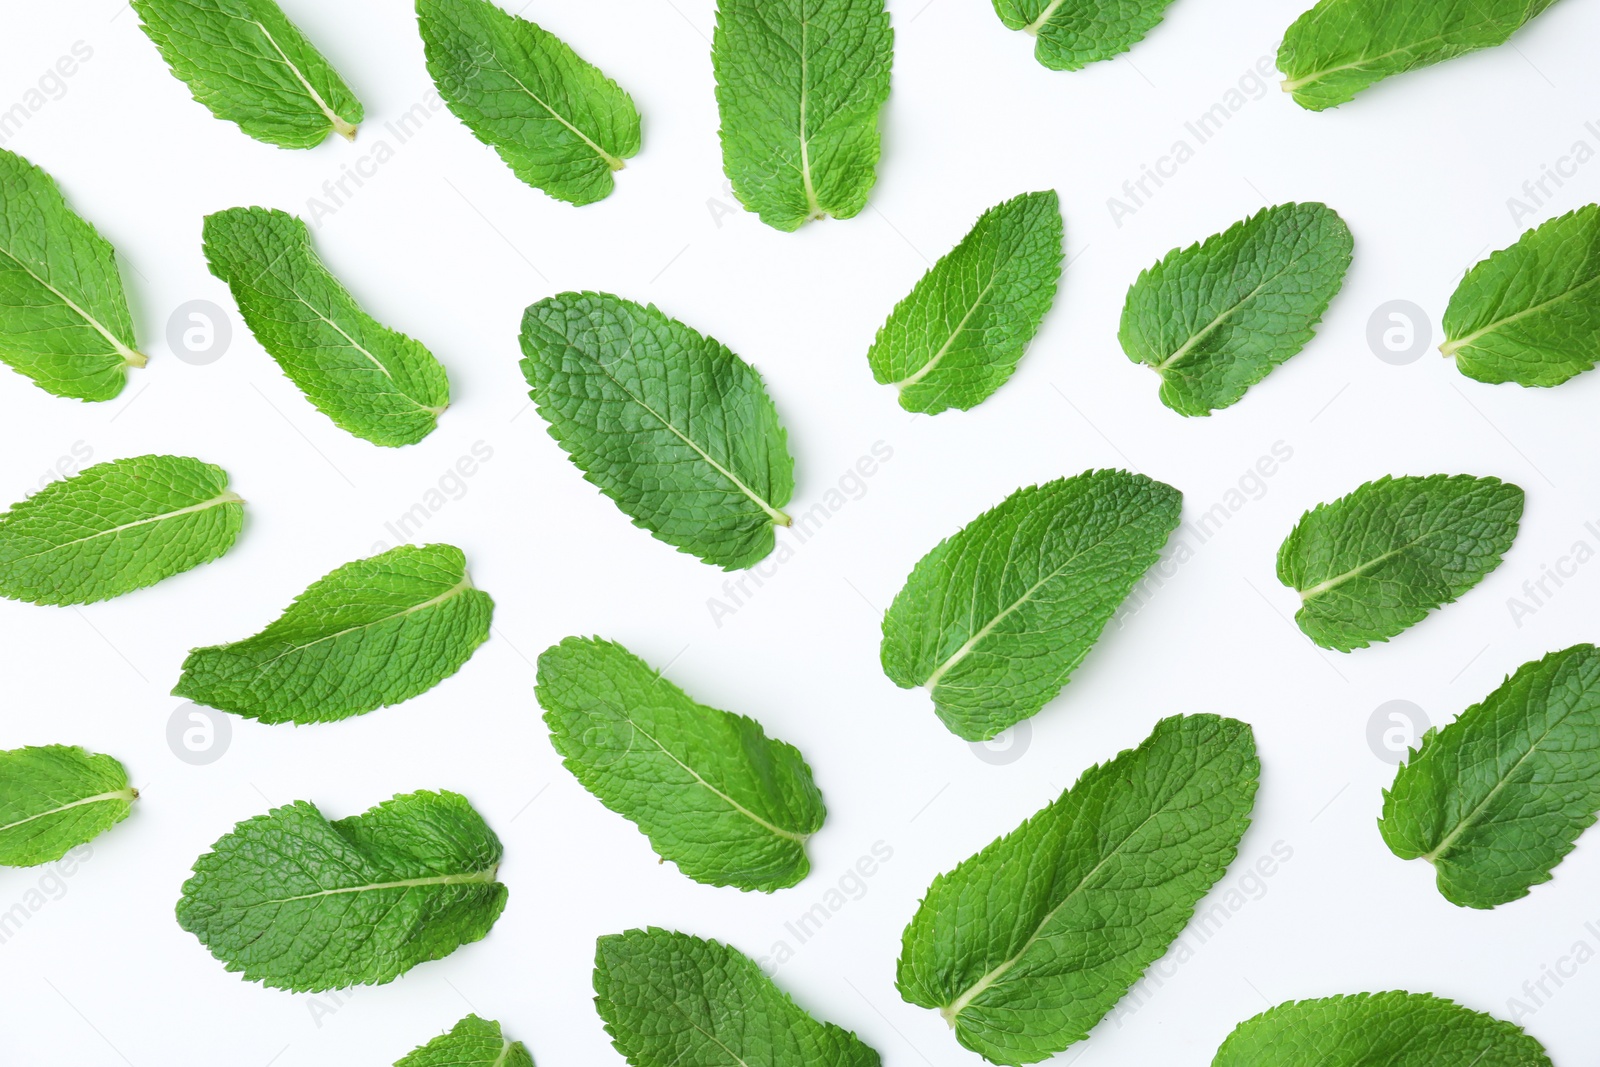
(445, 244)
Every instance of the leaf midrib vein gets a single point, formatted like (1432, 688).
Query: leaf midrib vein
(988, 628)
(127, 793)
(1450, 348)
(777, 516)
(734, 804)
(460, 587)
(226, 497)
(129, 356)
(957, 1006)
(483, 877)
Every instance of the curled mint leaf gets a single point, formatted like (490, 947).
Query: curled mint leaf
(1215, 318)
(558, 122)
(64, 318)
(1497, 798)
(366, 635)
(116, 527)
(248, 64)
(1025, 946)
(671, 998)
(1071, 34)
(714, 794)
(961, 332)
(996, 618)
(54, 798)
(293, 901)
(1530, 313)
(473, 1042)
(667, 422)
(800, 84)
(1340, 47)
(370, 380)
(1374, 563)
(1394, 1029)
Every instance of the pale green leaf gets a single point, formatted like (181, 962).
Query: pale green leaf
(996, 618)
(116, 527)
(800, 84)
(54, 798)
(1497, 798)
(473, 1042)
(1025, 946)
(63, 314)
(1215, 318)
(296, 902)
(558, 122)
(671, 425)
(1374, 563)
(714, 794)
(1070, 34)
(1340, 47)
(674, 1000)
(368, 634)
(1393, 1029)
(370, 380)
(1530, 313)
(961, 332)
(248, 64)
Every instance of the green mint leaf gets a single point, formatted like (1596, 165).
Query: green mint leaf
(1071, 34)
(366, 635)
(669, 998)
(1340, 47)
(675, 428)
(54, 798)
(473, 1042)
(1375, 562)
(996, 618)
(372, 381)
(713, 793)
(1025, 946)
(800, 84)
(961, 332)
(64, 318)
(1497, 798)
(1530, 313)
(248, 64)
(296, 902)
(1394, 1029)
(1215, 318)
(116, 527)
(558, 122)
